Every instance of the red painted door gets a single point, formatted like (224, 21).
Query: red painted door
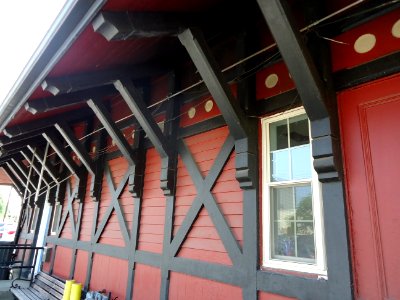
(370, 128)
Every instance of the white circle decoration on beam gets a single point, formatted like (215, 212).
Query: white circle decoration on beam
(208, 106)
(365, 43)
(271, 80)
(396, 29)
(192, 112)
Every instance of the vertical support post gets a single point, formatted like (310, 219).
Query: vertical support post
(136, 175)
(170, 131)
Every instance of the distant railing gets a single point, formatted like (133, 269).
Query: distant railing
(13, 258)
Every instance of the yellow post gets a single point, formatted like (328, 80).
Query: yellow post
(67, 289)
(76, 291)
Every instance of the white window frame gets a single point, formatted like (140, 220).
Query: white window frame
(320, 266)
(55, 218)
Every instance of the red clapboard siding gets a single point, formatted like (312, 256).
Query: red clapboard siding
(184, 286)
(203, 241)
(153, 211)
(81, 266)
(147, 283)
(268, 296)
(87, 215)
(109, 273)
(62, 262)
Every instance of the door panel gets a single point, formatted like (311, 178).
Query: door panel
(370, 128)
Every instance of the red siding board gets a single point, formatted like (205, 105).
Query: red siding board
(184, 286)
(152, 214)
(81, 266)
(62, 262)
(194, 242)
(147, 283)
(109, 273)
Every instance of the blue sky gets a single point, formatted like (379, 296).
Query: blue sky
(23, 25)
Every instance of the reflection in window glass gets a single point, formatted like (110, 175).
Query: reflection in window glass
(301, 162)
(293, 224)
(280, 168)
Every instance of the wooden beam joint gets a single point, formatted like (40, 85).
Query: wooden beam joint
(117, 26)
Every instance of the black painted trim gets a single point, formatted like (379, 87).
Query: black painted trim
(275, 104)
(381, 67)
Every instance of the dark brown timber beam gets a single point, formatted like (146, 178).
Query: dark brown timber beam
(39, 125)
(24, 171)
(136, 104)
(105, 118)
(69, 136)
(62, 153)
(116, 26)
(296, 56)
(197, 47)
(312, 90)
(69, 84)
(240, 127)
(41, 157)
(62, 101)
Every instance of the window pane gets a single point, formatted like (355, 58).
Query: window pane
(280, 165)
(305, 240)
(299, 134)
(301, 162)
(284, 241)
(303, 203)
(283, 208)
(278, 135)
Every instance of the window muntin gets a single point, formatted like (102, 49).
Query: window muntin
(291, 196)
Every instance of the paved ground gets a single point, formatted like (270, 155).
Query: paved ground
(6, 296)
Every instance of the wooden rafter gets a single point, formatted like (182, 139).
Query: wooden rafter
(80, 82)
(42, 158)
(312, 90)
(62, 153)
(115, 133)
(296, 56)
(136, 104)
(196, 46)
(62, 101)
(37, 126)
(69, 136)
(116, 26)
(24, 171)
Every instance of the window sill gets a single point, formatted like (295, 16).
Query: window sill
(308, 273)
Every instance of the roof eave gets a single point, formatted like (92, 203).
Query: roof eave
(72, 20)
